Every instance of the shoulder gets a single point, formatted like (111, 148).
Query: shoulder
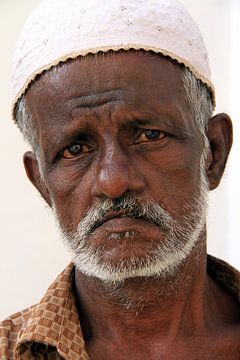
(10, 331)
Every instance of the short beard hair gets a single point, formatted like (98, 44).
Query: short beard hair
(162, 259)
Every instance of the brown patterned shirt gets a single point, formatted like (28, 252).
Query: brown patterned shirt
(51, 329)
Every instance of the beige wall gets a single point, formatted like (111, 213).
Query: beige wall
(31, 254)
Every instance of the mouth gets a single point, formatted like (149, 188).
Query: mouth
(111, 215)
(122, 219)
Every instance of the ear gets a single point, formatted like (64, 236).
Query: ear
(32, 169)
(219, 134)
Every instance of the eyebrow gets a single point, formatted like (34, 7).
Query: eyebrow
(131, 119)
(164, 119)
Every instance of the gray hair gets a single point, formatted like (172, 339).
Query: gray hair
(197, 96)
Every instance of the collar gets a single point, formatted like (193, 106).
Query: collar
(54, 322)
(225, 275)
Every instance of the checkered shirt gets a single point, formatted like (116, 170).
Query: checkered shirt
(49, 330)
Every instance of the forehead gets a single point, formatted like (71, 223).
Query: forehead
(142, 81)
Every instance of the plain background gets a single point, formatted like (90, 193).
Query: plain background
(31, 253)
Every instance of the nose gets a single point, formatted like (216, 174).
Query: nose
(117, 174)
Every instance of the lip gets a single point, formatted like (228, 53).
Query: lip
(116, 214)
(122, 224)
(112, 215)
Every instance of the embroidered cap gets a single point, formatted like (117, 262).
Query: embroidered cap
(59, 30)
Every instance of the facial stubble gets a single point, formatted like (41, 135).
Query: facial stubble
(162, 258)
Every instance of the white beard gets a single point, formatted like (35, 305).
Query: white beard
(162, 259)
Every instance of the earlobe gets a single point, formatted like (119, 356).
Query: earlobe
(32, 170)
(219, 134)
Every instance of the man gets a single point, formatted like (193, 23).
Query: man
(116, 102)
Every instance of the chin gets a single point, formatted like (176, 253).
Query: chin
(162, 260)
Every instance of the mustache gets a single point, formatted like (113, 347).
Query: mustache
(126, 206)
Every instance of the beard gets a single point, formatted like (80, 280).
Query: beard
(162, 258)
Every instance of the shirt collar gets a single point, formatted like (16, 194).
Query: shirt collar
(54, 321)
(225, 275)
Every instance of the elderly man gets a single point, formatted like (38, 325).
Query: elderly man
(116, 102)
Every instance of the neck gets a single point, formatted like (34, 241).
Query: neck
(173, 305)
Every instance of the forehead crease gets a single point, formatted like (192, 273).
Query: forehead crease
(138, 82)
(81, 111)
(95, 98)
(120, 71)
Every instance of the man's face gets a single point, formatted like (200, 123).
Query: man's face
(118, 140)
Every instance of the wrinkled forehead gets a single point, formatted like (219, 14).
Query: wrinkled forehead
(108, 89)
(133, 71)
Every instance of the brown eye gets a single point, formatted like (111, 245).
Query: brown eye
(74, 151)
(148, 135)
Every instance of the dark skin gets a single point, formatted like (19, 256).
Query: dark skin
(136, 135)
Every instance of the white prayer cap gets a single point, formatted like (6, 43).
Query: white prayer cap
(62, 29)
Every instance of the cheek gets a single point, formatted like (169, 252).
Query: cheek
(173, 181)
(70, 194)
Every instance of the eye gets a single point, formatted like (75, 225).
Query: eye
(74, 151)
(150, 135)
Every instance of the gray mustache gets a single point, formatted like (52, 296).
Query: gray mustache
(134, 208)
